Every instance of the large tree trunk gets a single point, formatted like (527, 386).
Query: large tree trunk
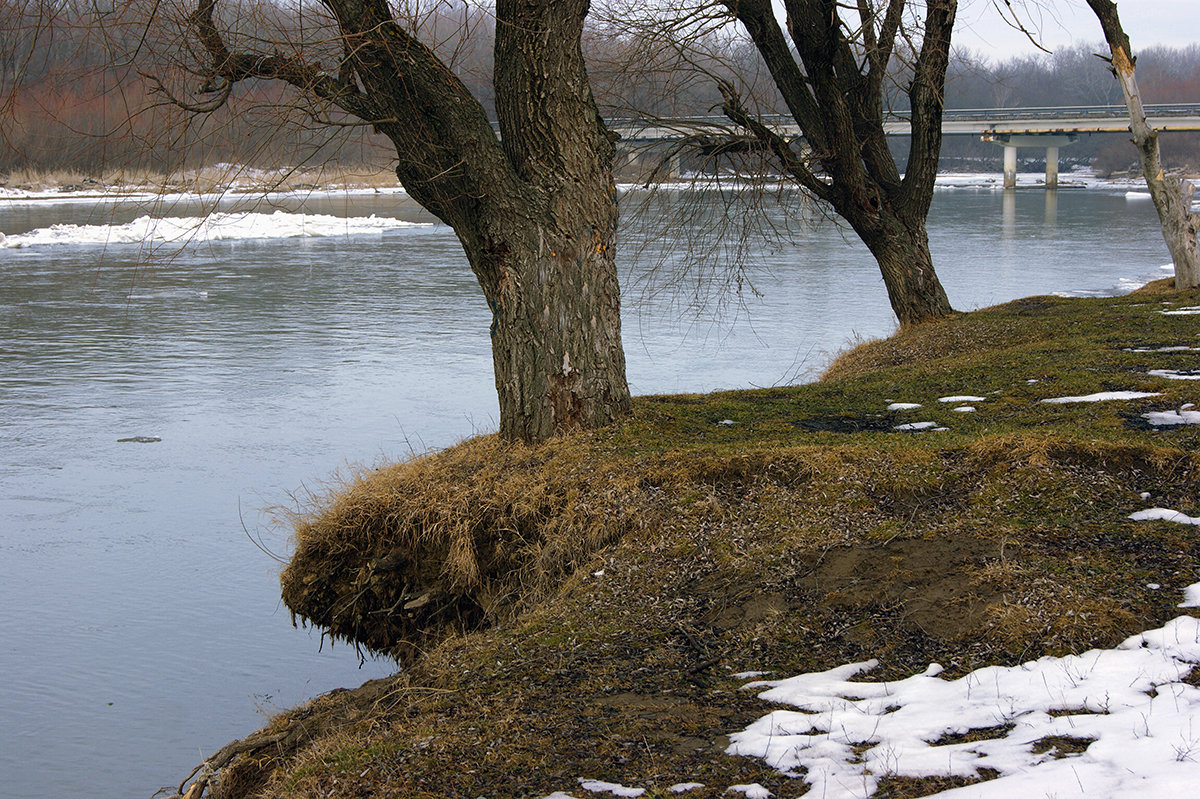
(1172, 196)
(902, 251)
(556, 323)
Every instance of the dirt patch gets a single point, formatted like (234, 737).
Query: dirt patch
(928, 580)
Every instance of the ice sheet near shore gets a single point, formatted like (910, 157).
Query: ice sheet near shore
(214, 227)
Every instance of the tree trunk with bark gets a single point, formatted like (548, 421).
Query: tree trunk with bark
(1172, 196)
(832, 76)
(535, 209)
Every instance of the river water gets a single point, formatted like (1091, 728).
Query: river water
(141, 627)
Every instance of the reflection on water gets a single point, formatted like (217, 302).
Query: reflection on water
(142, 628)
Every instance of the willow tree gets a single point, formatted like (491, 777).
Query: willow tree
(833, 68)
(1172, 196)
(533, 205)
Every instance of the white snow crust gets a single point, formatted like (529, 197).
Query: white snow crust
(911, 426)
(1188, 311)
(214, 227)
(1142, 722)
(1163, 514)
(1167, 418)
(599, 786)
(1175, 374)
(962, 398)
(1105, 396)
(904, 406)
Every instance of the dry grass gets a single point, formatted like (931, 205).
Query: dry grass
(578, 604)
(450, 542)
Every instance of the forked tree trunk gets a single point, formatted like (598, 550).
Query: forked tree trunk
(1172, 196)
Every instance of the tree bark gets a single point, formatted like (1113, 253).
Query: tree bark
(536, 211)
(1172, 196)
(832, 79)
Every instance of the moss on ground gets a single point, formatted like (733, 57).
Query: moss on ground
(578, 609)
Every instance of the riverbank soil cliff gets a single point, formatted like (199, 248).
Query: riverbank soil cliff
(585, 608)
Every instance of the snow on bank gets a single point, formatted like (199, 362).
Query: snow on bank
(1171, 418)
(1127, 709)
(1104, 396)
(214, 227)
(1166, 515)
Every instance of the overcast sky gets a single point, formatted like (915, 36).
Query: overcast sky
(1175, 23)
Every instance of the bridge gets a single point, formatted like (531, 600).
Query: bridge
(1010, 128)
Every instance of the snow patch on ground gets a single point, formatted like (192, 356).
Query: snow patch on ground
(1163, 514)
(1104, 396)
(964, 409)
(1168, 418)
(214, 227)
(1139, 723)
(1188, 311)
(684, 787)
(914, 426)
(1176, 374)
(751, 791)
(904, 406)
(962, 398)
(599, 786)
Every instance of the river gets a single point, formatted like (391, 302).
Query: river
(158, 399)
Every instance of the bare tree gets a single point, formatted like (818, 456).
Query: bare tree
(534, 206)
(834, 78)
(1172, 196)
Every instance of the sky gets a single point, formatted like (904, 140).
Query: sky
(1174, 23)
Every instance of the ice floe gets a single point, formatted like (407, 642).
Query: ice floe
(214, 227)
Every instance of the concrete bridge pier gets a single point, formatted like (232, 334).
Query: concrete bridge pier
(1011, 141)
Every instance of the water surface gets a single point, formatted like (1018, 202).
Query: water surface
(142, 628)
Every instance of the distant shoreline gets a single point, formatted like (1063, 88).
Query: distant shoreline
(234, 180)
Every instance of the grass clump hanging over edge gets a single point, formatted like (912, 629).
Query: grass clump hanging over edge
(576, 609)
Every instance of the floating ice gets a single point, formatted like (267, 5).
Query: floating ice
(214, 227)
(1105, 395)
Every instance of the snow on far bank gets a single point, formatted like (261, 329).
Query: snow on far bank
(1127, 709)
(214, 227)
(1104, 396)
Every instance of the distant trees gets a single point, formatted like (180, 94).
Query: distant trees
(1172, 196)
